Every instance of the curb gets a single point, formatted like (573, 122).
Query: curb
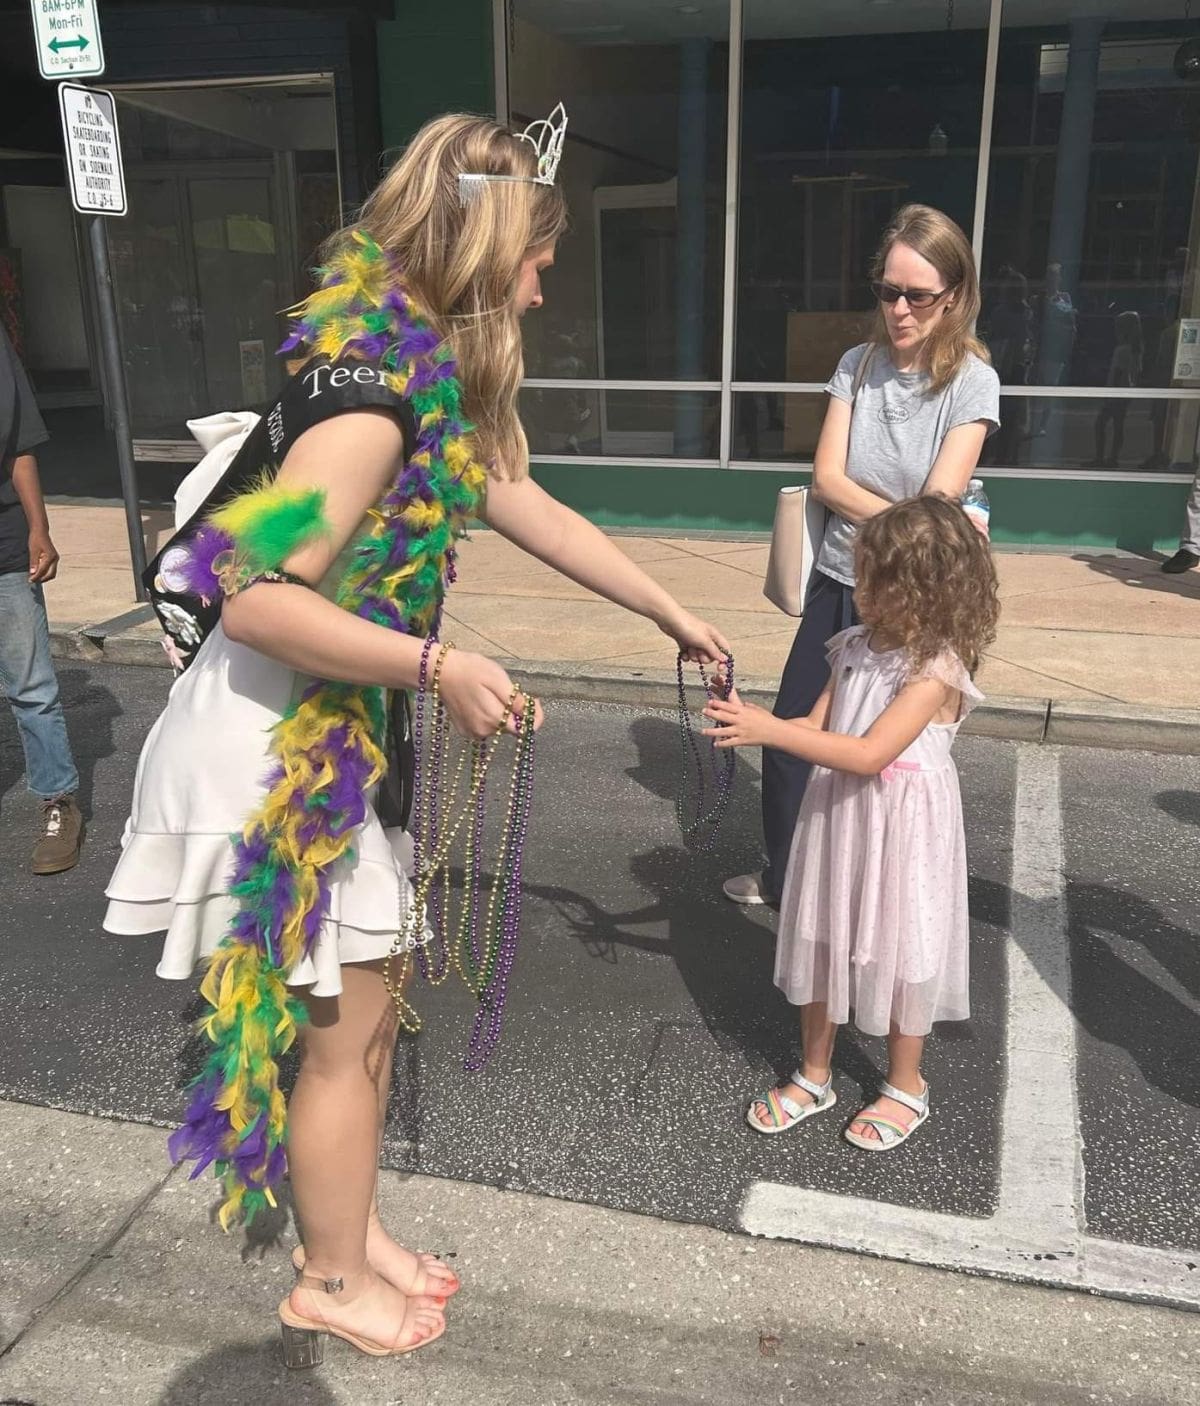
(1017, 719)
(1070, 723)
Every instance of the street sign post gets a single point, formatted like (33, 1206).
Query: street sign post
(67, 34)
(92, 146)
(93, 149)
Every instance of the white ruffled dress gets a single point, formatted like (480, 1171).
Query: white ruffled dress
(199, 778)
(874, 912)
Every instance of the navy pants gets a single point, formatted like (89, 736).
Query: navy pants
(828, 611)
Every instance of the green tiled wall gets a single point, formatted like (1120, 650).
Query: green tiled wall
(1029, 512)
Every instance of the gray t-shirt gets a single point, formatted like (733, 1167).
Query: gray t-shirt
(896, 432)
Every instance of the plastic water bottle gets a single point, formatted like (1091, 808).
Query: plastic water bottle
(976, 506)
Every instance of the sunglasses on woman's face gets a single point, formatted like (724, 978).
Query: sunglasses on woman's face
(914, 297)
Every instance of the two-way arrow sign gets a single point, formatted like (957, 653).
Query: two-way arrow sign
(67, 36)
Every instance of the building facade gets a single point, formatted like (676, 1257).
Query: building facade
(730, 165)
(249, 132)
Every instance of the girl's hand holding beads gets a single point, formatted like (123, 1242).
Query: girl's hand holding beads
(476, 692)
(740, 724)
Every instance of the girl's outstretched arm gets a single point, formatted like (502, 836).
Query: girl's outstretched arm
(547, 529)
(897, 727)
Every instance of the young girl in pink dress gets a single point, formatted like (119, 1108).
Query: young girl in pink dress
(874, 911)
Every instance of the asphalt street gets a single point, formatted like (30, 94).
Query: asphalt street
(642, 1015)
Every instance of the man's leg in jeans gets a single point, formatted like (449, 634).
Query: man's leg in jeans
(829, 610)
(27, 677)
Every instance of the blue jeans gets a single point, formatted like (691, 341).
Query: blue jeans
(27, 677)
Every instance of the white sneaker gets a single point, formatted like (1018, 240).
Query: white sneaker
(746, 889)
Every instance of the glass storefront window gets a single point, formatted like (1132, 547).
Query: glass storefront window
(643, 424)
(1090, 231)
(636, 293)
(777, 427)
(231, 190)
(848, 112)
(1095, 432)
(1091, 236)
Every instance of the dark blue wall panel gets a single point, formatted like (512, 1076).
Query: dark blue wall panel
(166, 43)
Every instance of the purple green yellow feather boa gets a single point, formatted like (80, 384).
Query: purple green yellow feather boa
(327, 752)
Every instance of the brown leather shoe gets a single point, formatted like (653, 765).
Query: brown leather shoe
(62, 836)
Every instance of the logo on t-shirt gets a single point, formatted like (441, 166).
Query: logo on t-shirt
(338, 376)
(893, 414)
(275, 427)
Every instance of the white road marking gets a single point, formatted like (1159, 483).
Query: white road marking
(1038, 1232)
(1041, 1166)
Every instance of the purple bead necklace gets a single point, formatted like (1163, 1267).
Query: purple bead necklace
(483, 957)
(716, 779)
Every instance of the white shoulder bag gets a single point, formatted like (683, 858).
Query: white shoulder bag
(799, 528)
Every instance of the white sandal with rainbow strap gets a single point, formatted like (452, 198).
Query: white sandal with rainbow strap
(891, 1131)
(784, 1112)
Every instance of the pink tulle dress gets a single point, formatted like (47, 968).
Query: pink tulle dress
(874, 912)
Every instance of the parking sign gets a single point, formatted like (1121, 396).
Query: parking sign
(67, 34)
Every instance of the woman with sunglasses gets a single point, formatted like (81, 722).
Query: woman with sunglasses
(909, 411)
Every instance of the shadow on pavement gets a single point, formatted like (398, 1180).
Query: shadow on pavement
(1125, 1006)
(1180, 805)
(91, 710)
(248, 1371)
(1112, 999)
(1144, 574)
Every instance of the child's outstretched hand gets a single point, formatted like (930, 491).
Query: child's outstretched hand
(740, 724)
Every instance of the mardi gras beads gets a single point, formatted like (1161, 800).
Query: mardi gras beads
(714, 782)
(426, 935)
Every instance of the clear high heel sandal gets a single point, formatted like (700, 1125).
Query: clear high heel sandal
(303, 1337)
(437, 1286)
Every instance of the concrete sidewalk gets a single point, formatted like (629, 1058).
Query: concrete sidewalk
(1101, 649)
(116, 1286)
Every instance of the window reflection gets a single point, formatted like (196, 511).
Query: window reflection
(1062, 434)
(777, 428)
(621, 424)
(231, 190)
(848, 112)
(636, 290)
(1090, 244)
(1091, 239)
(1097, 432)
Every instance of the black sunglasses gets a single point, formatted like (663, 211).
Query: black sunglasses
(914, 297)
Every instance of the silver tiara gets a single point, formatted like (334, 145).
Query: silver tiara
(546, 136)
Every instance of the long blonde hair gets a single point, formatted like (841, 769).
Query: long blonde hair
(462, 262)
(938, 239)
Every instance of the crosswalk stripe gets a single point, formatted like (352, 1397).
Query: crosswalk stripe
(1037, 1233)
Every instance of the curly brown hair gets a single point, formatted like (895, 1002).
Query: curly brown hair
(926, 580)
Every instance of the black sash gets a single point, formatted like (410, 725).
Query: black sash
(318, 391)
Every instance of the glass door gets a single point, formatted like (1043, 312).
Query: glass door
(232, 188)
